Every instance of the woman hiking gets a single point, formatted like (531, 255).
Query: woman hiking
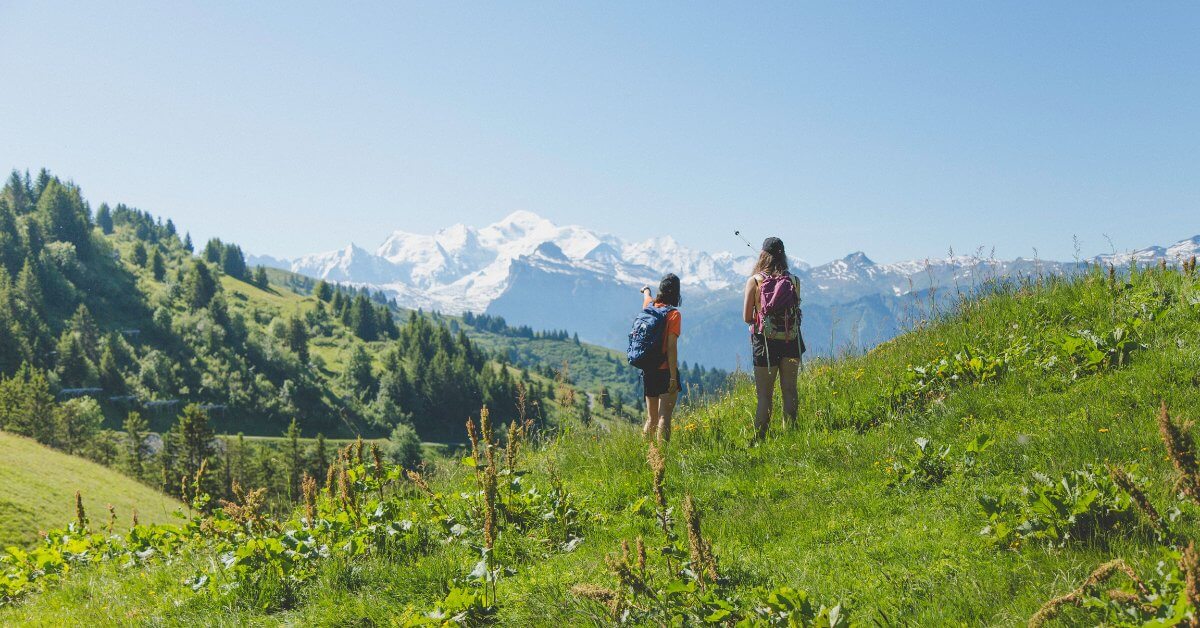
(772, 310)
(661, 381)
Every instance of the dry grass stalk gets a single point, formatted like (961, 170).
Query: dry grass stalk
(1189, 564)
(135, 518)
(1125, 481)
(331, 479)
(1051, 609)
(473, 435)
(629, 580)
(658, 469)
(641, 557)
(609, 598)
(376, 461)
(309, 487)
(1181, 450)
(248, 508)
(703, 562)
(358, 450)
(80, 515)
(514, 446)
(112, 518)
(489, 507)
(346, 490)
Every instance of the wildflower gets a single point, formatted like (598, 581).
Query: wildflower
(1103, 430)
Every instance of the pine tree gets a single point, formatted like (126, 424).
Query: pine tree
(199, 285)
(77, 422)
(104, 219)
(359, 377)
(323, 291)
(260, 277)
(187, 243)
(295, 462)
(139, 254)
(195, 440)
(169, 228)
(213, 250)
(297, 338)
(29, 288)
(63, 216)
(362, 319)
(73, 367)
(84, 327)
(320, 458)
(233, 262)
(158, 267)
(134, 458)
(109, 372)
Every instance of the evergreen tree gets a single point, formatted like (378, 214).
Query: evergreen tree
(213, 251)
(320, 458)
(187, 243)
(64, 217)
(84, 327)
(77, 421)
(359, 377)
(26, 405)
(233, 262)
(158, 267)
(109, 372)
(199, 285)
(135, 453)
(18, 194)
(297, 338)
(260, 277)
(139, 254)
(323, 291)
(362, 319)
(169, 228)
(29, 289)
(104, 219)
(295, 462)
(73, 367)
(194, 437)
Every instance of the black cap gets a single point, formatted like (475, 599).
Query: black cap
(773, 245)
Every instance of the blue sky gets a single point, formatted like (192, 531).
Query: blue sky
(901, 129)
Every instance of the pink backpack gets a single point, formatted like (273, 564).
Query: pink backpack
(778, 307)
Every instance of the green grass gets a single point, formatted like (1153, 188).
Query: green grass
(37, 492)
(809, 507)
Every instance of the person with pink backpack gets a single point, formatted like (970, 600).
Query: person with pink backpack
(772, 310)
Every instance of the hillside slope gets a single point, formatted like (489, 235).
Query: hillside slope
(37, 492)
(1029, 392)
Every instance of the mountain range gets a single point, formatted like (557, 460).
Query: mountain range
(534, 272)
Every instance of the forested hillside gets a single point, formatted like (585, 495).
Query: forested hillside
(123, 341)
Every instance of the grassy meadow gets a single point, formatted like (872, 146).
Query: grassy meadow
(953, 476)
(39, 492)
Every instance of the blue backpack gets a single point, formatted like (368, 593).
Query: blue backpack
(646, 339)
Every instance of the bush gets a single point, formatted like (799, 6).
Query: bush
(404, 446)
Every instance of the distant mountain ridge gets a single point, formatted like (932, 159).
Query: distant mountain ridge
(515, 267)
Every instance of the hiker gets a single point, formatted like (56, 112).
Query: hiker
(772, 310)
(653, 349)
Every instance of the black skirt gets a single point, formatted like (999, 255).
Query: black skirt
(772, 351)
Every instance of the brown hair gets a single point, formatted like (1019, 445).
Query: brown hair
(771, 263)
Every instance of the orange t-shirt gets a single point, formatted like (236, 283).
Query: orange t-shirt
(674, 326)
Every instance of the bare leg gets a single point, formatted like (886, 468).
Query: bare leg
(651, 425)
(764, 386)
(787, 386)
(666, 406)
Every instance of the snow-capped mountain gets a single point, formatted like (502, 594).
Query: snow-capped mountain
(534, 272)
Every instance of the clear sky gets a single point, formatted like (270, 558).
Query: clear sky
(901, 129)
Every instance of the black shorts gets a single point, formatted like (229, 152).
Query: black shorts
(656, 381)
(775, 350)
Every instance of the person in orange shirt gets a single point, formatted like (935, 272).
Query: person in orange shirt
(661, 384)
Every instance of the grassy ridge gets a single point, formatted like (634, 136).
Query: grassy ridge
(38, 484)
(816, 506)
